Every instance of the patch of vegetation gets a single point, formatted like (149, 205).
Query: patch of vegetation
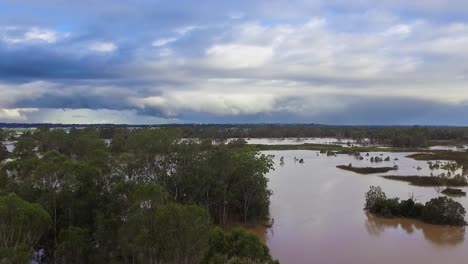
(325, 148)
(440, 211)
(366, 170)
(454, 192)
(456, 181)
(148, 196)
(461, 158)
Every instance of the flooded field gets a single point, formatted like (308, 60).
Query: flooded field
(318, 215)
(451, 148)
(299, 141)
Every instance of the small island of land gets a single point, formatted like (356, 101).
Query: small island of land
(366, 170)
(453, 192)
(439, 211)
(456, 181)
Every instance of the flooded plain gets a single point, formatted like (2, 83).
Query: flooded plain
(299, 141)
(318, 214)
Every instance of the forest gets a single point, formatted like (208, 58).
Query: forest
(397, 136)
(145, 196)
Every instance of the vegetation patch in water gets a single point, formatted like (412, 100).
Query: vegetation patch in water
(460, 157)
(454, 192)
(440, 211)
(366, 170)
(456, 181)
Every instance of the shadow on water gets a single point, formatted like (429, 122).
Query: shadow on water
(437, 235)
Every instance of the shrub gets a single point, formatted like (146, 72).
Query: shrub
(444, 211)
(373, 196)
(441, 210)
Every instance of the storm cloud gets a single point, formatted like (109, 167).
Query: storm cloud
(333, 62)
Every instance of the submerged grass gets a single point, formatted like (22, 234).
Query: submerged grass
(453, 192)
(458, 156)
(336, 148)
(430, 180)
(366, 170)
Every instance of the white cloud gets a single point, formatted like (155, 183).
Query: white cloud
(239, 55)
(12, 93)
(163, 41)
(101, 46)
(185, 29)
(16, 35)
(398, 30)
(16, 114)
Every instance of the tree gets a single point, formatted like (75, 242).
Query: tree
(51, 177)
(158, 233)
(238, 246)
(74, 246)
(22, 224)
(373, 196)
(25, 147)
(183, 233)
(444, 211)
(3, 152)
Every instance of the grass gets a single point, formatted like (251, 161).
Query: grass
(326, 147)
(366, 170)
(454, 192)
(429, 180)
(458, 156)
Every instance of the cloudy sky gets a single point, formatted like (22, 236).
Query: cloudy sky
(324, 61)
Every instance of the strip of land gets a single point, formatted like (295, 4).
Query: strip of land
(366, 170)
(429, 180)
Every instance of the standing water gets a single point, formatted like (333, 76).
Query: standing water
(319, 218)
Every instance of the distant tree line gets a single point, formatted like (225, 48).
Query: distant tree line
(397, 136)
(145, 197)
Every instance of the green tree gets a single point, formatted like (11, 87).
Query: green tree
(52, 177)
(238, 246)
(373, 196)
(74, 246)
(22, 224)
(165, 233)
(3, 152)
(25, 147)
(444, 211)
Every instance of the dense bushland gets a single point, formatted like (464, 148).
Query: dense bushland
(146, 197)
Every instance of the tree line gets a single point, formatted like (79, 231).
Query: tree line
(146, 196)
(397, 136)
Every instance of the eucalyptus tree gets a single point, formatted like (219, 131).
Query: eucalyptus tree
(22, 224)
(3, 152)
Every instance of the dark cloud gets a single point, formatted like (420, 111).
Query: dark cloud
(98, 55)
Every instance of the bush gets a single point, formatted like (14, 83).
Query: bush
(373, 196)
(454, 192)
(441, 210)
(444, 211)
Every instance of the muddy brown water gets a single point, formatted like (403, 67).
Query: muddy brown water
(319, 218)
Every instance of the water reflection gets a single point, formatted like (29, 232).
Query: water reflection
(438, 235)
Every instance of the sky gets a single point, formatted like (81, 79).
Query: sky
(387, 62)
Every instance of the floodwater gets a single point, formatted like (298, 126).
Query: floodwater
(10, 145)
(299, 141)
(451, 148)
(318, 214)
